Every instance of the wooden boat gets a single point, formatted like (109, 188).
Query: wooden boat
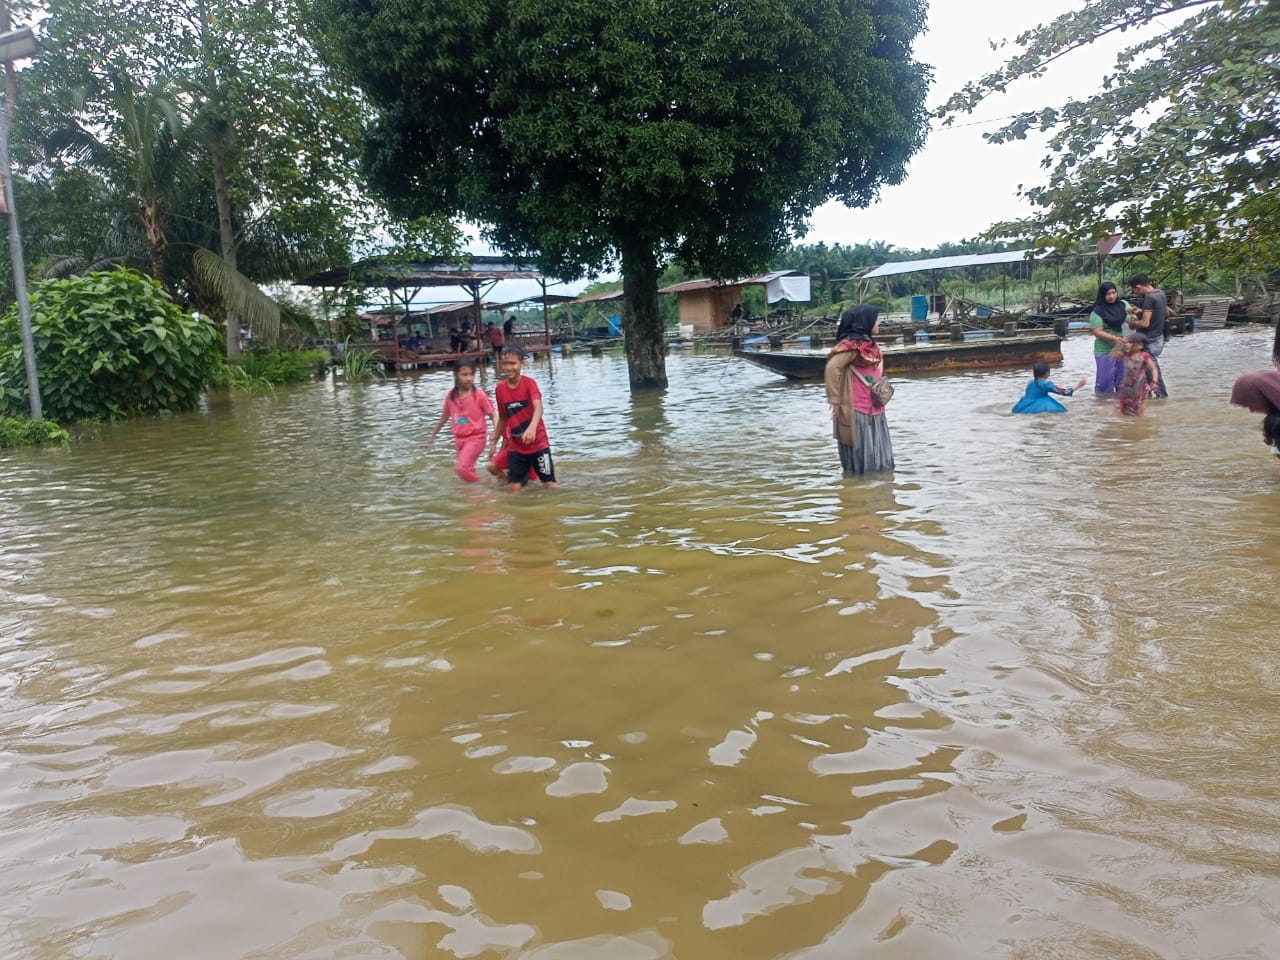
(922, 357)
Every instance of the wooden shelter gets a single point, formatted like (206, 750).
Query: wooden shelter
(706, 305)
(405, 281)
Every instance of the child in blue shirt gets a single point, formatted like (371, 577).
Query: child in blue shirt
(1039, 395)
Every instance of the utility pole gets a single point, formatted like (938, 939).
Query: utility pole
(14, 45)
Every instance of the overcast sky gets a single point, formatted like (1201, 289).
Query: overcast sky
(959, 184)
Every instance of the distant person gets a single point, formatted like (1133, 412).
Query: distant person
(456, 340)
(496, 340)
(1260, 392)
(509, 327)
(520, 422)
(1039, 394)
(853, 367)
(1150, 317)
(466, 406)
(1106, 323)
(738, 314)
(1141, 374)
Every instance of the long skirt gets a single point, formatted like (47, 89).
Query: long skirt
(874, 451)
(1110, 373)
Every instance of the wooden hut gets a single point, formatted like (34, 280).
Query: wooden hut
(706, 305)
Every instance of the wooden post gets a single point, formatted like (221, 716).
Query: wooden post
(546, 315)
(395, 324)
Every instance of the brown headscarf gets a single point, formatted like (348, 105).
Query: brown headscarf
(1257, 391)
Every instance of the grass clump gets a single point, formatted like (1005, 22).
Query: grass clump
(25, 432)
(277, 367)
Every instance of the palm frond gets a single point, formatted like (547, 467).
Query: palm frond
(67, 266)
(239, 295)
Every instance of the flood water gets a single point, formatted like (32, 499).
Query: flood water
(275, 684)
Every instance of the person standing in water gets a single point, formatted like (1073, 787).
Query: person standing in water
(1106, 323)
(1150, 317)
(855, 364)
(1141, 374)
(520, 421)
(1260, 393)
(466, 406)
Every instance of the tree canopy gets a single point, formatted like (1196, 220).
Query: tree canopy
(1181, 143)
(201, 140)
(588, 135)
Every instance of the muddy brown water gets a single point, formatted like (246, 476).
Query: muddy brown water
(273, 684)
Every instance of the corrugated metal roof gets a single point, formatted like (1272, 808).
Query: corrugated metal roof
(459, 305)
(549, 299)
(705, 284)
(946, 263)
(602, 295)
(427, 273)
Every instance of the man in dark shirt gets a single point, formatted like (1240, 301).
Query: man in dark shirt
(1150, 316)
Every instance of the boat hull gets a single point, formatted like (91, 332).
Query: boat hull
(921, 358)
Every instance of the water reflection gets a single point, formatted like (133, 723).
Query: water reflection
(277, 685)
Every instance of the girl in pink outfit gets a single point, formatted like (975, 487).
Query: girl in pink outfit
(466, 406)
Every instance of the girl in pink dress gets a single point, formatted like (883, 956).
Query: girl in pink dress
(466, 406)
(1135, 386)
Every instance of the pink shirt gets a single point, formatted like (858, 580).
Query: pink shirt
(467, 413)
(862, 390)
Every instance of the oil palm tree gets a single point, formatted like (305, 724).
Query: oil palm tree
(146, 149)
(156, 148)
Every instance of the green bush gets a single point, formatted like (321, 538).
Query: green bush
(283, 366)
(25, 432)
(109, 345)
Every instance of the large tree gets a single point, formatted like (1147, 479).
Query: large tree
(589, 134)
(1180, 143)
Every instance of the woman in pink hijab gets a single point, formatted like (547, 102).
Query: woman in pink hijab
(1260, 392)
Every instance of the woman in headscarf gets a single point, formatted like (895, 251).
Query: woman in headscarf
(1260, 392)
(1106, 323)
(861, 431)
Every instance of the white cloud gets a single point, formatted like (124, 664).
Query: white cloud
(959, 184)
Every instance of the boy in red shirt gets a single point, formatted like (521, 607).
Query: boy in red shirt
(520, 420)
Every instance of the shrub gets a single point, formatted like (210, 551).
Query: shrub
(108, 345)
(25, 432)
(360, 366)
(283, 366)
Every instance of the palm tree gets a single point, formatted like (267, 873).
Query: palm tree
(153, 150)
(145, 150)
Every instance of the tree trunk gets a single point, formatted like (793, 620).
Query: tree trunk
(642, 327)
(157, 244)
(226, 232)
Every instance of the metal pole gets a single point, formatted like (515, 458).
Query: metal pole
(15, 236)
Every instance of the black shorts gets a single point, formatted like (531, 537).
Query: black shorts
(519, 465)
